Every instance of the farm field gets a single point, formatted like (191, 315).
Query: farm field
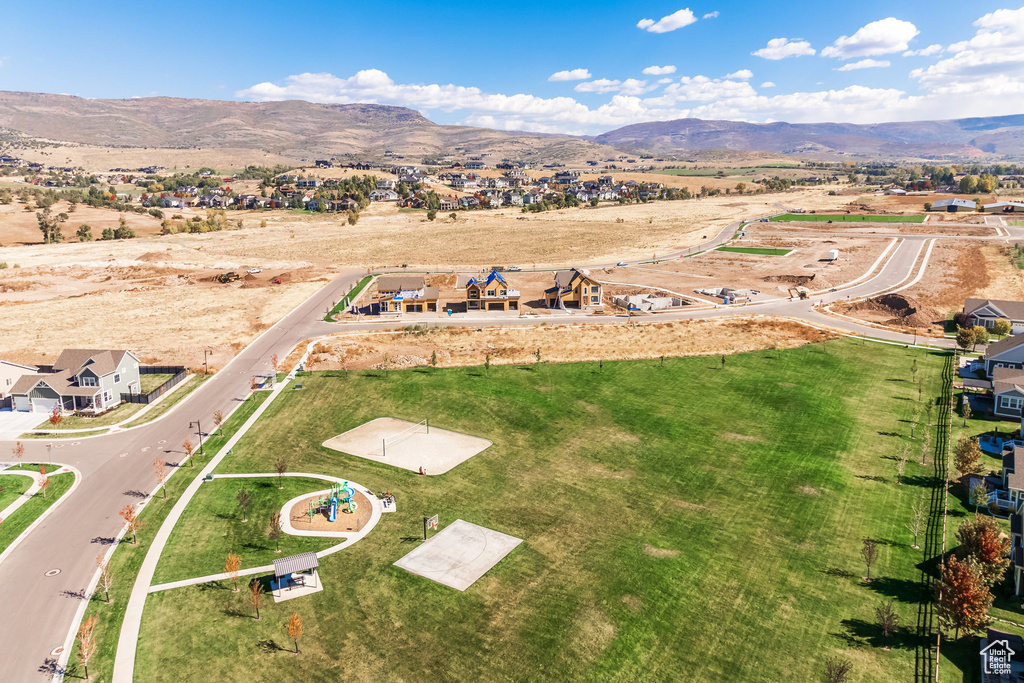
(652, 523)
(844, 218)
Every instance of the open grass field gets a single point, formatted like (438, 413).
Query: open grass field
(727, 171)
(844, 218)
(755, 250)
(11, 487)
(657, 520)
(212, 527)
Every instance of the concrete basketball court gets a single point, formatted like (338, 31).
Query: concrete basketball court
(436, 451)
(459, 554)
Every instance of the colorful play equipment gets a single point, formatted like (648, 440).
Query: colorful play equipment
(340, 495)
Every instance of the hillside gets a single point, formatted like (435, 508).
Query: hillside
(292, 129)
(999, 135)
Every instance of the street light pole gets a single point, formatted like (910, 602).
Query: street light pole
(49, 457)
(199, 433)
(206, 367)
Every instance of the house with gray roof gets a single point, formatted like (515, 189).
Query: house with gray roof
(10, 373)
(953, 205)
(985, 312)
(84, 380)
(1005, 353)
(1008, 391)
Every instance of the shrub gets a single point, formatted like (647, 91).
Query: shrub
(961, 319)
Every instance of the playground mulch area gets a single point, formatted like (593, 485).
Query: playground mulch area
(345, 521)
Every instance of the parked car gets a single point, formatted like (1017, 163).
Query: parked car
(515, 268)
(254, 270)
(622, 263)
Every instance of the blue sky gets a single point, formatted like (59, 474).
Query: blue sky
(550, 67)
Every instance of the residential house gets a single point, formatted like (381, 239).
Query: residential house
(1008, 391)
(344, 204)
(403, 294)
(324, 163)
(383, 196)
(647, 302)
(513, 198)
(309, 182)
(532, 198)
(448, 203)
(474, 165)
(985, 312)
(468, 202)
(492, 293)
(574, 289)
(385, 184)
(1005, 353)
(87, 380)
(10, 373)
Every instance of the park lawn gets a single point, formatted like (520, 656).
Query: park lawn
(11, 488)
(656, 519)
(755, 250)
(27, 513)
(845, 218)
(127, 559)
(170, 400)
(212, 526)
(148, 383)
(111, 417)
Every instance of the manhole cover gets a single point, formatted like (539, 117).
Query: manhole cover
(52, 572)
(57, 650)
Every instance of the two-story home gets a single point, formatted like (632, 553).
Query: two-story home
(1005, 353)
(1008, 391)
(396, 294)
(491, 293)
(574, 289)
(10, 373)
(985, 313)
(87, 380)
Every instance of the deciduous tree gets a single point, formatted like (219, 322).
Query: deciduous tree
(837, 669)
(56, 415)
(255, 596)
(106, 580)
(980, 335)
(44, 482)
(18, 450)
(965, 338)
(160, 469)
(244, 499)
(979, 495)
(869, 551)
(231, 567)
(966, 455)
(188, 447)
(275, 365)
(281, 466)
(274, 532)
(1002, 327)
(131, 520)
(962, 597)
(218, 421)
(901, 466)
(983, 540)
(433, 361)
(887, 619)
(86, 643)
(295, 629)
(965, 409)
(917, 521)
(253, 386)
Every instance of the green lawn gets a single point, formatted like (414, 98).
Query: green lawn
(150, 382)
(179, 392)
(11, 487)
(127, 559)
(27, 513)
(662, 509)
(111, 417)
(212, 527)
(348, 298)
(62, 434)
(844, 218)
(755, 250)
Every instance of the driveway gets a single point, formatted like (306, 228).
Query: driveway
(13, 423)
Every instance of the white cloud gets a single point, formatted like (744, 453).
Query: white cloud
(660, 70)
(671, 22)
(865, 64)
(924, 52)
(767, 84)
(742, 74)
(711, 15)
(663, 81)
(880, 37)
(602, 85)
(573, 75)
(780, 48)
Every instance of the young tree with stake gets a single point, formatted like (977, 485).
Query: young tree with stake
(86, 643)
(965, 409)
(274, 532)
(244, 499)
(256, 594)
(837, 670)
(979, 495)
(869, 551)
(887, 620)
(160, 469)
(44, 481)
(901, 466)
(56, 415)
(218, 421)
(281, 465)
(18, 450)
(231, 566)
(106, 580)
(253, 386)
(917, 522)
(188, 447)
(295, 629)
(131, 519)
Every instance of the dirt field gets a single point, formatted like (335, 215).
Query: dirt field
(104, 158)
(561, 343)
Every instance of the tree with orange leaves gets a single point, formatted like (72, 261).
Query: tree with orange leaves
(18, 450)
(160, 467)
(231, 567)
(56, 415)
(983, 540)
(131, 519)
(963, 597)
(295, 629)
(256, 594)
(86, 643)
(44, 481)
(188, 447)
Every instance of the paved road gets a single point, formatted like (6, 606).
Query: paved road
(117, 468)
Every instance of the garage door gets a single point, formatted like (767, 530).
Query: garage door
(43, 405)
(492, 306)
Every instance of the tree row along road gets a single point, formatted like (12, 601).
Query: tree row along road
(117, 468)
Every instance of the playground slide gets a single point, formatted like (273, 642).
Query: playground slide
(334, 510)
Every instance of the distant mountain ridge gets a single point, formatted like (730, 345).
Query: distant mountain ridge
(304, 130)
(1000, 135)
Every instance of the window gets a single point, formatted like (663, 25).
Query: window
(8, 381)
(503, 292)
(117, 378)
(1011, 402)
(595, 299)
(474, 294)
(88, 381)
(490, 292)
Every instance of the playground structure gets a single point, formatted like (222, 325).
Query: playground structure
(340, 494)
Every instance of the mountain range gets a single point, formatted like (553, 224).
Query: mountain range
(303, 130)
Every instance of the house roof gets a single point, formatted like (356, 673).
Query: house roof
(966, 203)
(491, 277)
(996, 205)
(296, 563)
(1007, 379)
(19, 365)
(100, 361)
(1003, 345)
(394, 283)
(1011, 310)
(62, 382)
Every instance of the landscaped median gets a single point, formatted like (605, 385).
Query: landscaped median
(127, 558)
(843, 218)
(763, 251)
(30, 511)
(348, 299)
